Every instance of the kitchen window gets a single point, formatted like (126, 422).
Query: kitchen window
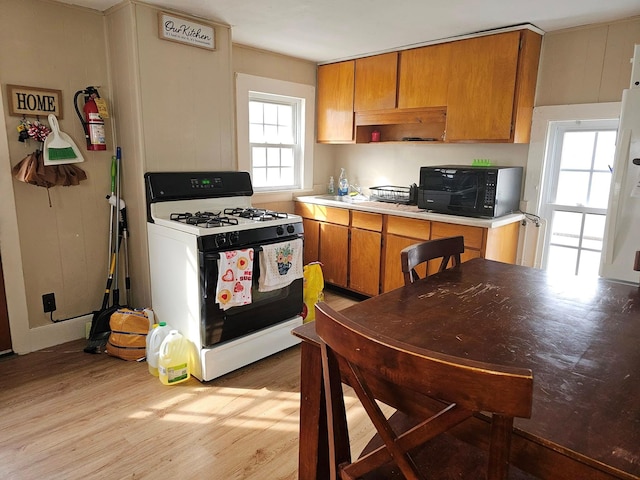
(274, 140)
(275, 132)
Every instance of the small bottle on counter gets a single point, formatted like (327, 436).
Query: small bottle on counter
(331, 189)
(343, 183)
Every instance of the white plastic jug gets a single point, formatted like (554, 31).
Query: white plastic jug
(159, 332)
(174, 359)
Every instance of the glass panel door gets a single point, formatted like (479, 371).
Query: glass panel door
(576, 195)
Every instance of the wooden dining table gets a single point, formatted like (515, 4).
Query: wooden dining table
(581, 339)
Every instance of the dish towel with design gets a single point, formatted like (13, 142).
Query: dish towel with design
(280, 264)
(234, 278)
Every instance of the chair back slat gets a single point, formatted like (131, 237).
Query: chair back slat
(449, 249)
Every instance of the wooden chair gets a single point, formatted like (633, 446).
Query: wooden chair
(438, 390)
(448, 249)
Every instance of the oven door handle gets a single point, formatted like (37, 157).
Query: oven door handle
(207, 259)
(216, 256)
(209, 265)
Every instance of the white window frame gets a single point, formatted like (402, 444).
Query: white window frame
(548, 204)
(536, 167)
(251, 85)
(296, 146)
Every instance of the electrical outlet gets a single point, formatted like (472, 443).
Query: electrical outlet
(49, 302)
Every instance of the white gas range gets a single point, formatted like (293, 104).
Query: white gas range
(193, 218)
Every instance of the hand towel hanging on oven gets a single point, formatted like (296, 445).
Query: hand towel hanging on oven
(235, 274)
(280, 264)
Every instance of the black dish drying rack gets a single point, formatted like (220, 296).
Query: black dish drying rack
(394, 194)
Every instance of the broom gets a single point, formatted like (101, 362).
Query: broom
(58, 146)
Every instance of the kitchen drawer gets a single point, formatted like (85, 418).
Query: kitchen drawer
(366, 221)
(409, 227)
(472, 235)
(338, 216)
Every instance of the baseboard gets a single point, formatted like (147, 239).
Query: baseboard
(57, 333)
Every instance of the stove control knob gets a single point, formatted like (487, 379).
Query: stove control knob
(290, 229)
(280, 231)
(234, 238)
(221, 240)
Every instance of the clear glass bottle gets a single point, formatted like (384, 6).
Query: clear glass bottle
(331, 189)
(343, 183)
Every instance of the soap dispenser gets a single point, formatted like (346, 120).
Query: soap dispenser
(343, 183)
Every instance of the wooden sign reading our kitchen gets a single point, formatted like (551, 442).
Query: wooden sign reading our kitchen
(34, 101)
(183, 30)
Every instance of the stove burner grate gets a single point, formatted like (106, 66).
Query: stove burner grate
(203, 219)
(260, 214)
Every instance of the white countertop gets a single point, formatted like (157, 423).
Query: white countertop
(410, 211)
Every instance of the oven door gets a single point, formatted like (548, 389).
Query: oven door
(266, 308)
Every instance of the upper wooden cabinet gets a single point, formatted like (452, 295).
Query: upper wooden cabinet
(474, 90)
(334, 104)
(423, 76)
(376, 79)
(485, 95)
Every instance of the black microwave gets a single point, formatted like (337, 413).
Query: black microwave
(470, 191)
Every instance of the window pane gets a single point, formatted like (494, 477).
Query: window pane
(589, 264)
(256, 133)
(285, 115)
(605, 149)
(286, 157)
(271, 134)
(572, 188)
(270, 113)
(273, 176)
(259, 177)
(259, 156)
(255, 112)
(273, 157)
(600, 184)
(562, 260)
(565, 229)
(593, 231)
(287, 176)
(577, 150)
(285, 134)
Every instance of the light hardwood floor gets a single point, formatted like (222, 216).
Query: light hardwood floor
(66, 414)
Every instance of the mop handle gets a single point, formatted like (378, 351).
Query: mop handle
(114, 168)
(116, 289)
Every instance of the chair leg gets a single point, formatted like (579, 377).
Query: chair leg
(339, 449)
(501, 429)
(313, 459)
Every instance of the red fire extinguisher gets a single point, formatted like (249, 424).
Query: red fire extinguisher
(92, 121)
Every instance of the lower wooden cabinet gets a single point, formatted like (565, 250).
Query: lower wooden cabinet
(502, 243)
(326, 239)
(311, 240)
(334, 243)
(327, 243)
(360, 251)
(401, 232)
(365, 252)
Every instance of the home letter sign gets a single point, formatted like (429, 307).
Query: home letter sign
(182, 30)
(33, 101)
